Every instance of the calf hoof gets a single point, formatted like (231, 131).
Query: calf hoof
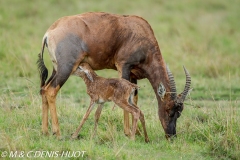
(74, 137)
(138, 132)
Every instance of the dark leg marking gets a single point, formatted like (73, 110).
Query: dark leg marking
(133, 80)
(53, 74)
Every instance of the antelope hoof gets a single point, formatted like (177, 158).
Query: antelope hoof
(127, 133)
(132, 138)
(57, 134)
(45, 133)
(147, 140)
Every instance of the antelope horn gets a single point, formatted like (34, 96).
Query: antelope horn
(187, 85)
(172, 84)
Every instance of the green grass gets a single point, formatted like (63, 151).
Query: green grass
(203, 36)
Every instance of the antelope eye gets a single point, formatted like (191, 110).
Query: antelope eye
(178, 114)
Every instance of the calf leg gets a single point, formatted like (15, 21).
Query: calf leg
(127, 130)
(75, 134)
(135, 113)
(97, 116)
(135, 116)
(144, 127)
(135, 100)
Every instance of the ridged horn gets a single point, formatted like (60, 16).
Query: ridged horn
(172, 84)
(187, 85)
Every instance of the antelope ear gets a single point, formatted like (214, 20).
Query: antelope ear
(161, 90)
(88, 75)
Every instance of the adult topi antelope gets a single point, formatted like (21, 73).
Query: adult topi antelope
(123, 43)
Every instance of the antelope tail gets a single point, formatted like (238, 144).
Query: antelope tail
(43, 71)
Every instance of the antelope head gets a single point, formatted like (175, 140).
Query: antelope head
(176, 102)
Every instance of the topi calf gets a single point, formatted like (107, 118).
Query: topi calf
(102, 90)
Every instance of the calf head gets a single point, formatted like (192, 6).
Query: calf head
(84, 70)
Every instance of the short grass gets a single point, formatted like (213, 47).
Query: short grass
(203, 36)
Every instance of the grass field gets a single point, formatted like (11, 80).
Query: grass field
(202, 35)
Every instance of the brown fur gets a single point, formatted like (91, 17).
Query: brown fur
(102, 90)
(103, 40)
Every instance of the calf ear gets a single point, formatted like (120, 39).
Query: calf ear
(88, 75)
(80, 68)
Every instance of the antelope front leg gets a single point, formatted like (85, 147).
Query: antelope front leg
(124, 72)
(44, 115)
(75, 135)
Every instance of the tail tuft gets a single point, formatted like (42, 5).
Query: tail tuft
(43, 72)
